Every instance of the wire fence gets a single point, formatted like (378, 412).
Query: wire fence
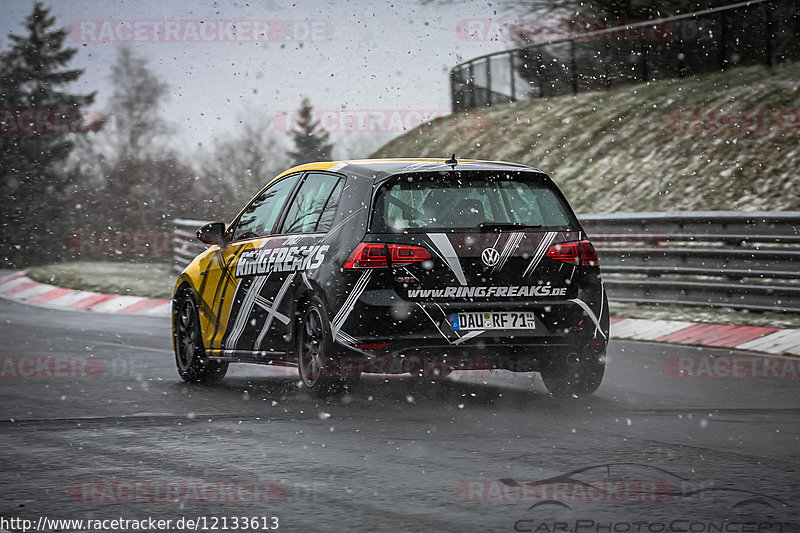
(747, 33)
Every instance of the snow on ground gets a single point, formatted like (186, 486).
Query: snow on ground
(153, 280)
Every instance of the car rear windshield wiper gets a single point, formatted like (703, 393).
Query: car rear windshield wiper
(507, 225)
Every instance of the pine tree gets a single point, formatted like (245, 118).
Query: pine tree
(311, 143)
(37, 116)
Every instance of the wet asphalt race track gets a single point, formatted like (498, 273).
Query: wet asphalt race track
(109, 431)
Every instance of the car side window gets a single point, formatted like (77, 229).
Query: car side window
(259, 217)
(326, 219)
(312, 202)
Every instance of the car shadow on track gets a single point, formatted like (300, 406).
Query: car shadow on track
(396, 392)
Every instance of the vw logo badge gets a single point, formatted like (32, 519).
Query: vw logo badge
(490, 257)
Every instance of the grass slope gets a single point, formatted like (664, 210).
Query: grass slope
(623, 150)
(153, 280)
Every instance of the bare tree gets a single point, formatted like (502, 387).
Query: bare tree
(238, 167)
(133, 180)
(136, 126)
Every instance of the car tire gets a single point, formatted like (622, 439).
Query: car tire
(574, 374)
(320, 373)
(194, 366)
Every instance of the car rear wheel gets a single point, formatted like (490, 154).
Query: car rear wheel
(574, 374)
(319, 372)
(194, 366)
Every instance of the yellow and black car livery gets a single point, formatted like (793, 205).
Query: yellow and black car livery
(397, 265)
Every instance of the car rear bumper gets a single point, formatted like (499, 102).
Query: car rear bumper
(384, 327)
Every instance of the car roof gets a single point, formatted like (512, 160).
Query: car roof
(379, 168)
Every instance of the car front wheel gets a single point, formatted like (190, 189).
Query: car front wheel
(194, 366)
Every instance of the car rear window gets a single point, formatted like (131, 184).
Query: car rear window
(458, 201)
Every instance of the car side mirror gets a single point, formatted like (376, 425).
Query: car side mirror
(212, 233)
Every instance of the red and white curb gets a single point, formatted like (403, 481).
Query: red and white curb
(20, 288)
(753, 338)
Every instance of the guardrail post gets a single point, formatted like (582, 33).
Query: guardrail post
(471, 85)
(488, 81)
(573, 67)
(643, 52)
(539, 73)
(512, 70)
(768, 31)
(723, 38)
(681, 50)
(453, 96)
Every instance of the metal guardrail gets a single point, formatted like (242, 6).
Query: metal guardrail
(184, 242)
(741, 260)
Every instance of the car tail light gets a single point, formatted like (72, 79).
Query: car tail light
(374, 255)
(575, 253)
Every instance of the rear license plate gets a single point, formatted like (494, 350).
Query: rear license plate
(492, 320)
